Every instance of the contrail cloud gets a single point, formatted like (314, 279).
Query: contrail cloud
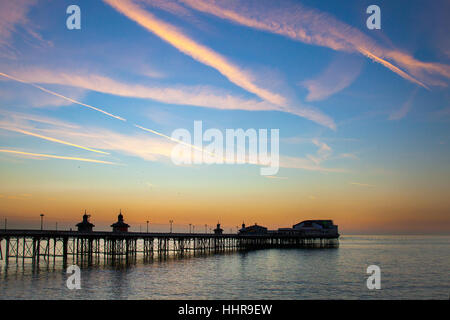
(55, 156)
(89, 106)
(190, 47)
(211, 58)
(61, 96)
(52, 139)
(173, 139)
(311, 26)
(391, 67)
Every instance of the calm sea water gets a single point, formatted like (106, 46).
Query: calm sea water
(412, 267)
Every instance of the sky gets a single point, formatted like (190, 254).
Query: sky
(363, 115)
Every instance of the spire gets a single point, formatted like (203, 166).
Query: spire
(85, 217)
(120, 225)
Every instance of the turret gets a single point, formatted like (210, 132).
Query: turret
(218, 230)
(85, 225)
(120, 225)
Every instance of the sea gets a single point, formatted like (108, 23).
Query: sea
(410, 267)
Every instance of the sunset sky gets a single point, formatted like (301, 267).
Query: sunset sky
(364, 115)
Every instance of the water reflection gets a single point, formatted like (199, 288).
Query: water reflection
(415, 268)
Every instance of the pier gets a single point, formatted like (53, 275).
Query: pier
(49, 245)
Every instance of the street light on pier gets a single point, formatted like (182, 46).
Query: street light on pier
(193, 229)
(206, 228)
(147, 226)
(42, 221)
(171, 222)
(190, 226)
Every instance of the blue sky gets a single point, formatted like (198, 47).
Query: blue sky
(363, 114)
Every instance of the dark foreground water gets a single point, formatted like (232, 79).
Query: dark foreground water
(412, 267)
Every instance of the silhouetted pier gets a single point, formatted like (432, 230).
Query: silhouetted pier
(37, 245)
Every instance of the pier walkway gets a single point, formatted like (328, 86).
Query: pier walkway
(46, 245)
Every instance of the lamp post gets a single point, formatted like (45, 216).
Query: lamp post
(171, 222)
(42, 221)
(6, 220)
(206, 228)
(190, 226)
(193, 229)
(147, 226)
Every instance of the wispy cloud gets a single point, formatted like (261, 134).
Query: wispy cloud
(22, 196)
(311, 26)
(8, 127)
(83, 104)
(312, 114)
(276, 177)
(145, 147)
(194, 49)
(312, 162)
(323, 152)
(202, 96)
(60, 96)
(50, 156)
(404, 110)
(348, 156)
(336, 77)
(151, 73)
(209, 57)
(390, 66)
(13, 15)
(21, 119)
(362, 184)
(173, 139)
(23, 97)
(172, 7)
(296, 140)
(139, 145)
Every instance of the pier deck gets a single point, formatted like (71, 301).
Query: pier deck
(50, 244)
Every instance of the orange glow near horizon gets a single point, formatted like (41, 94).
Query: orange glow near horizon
(365, 216)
